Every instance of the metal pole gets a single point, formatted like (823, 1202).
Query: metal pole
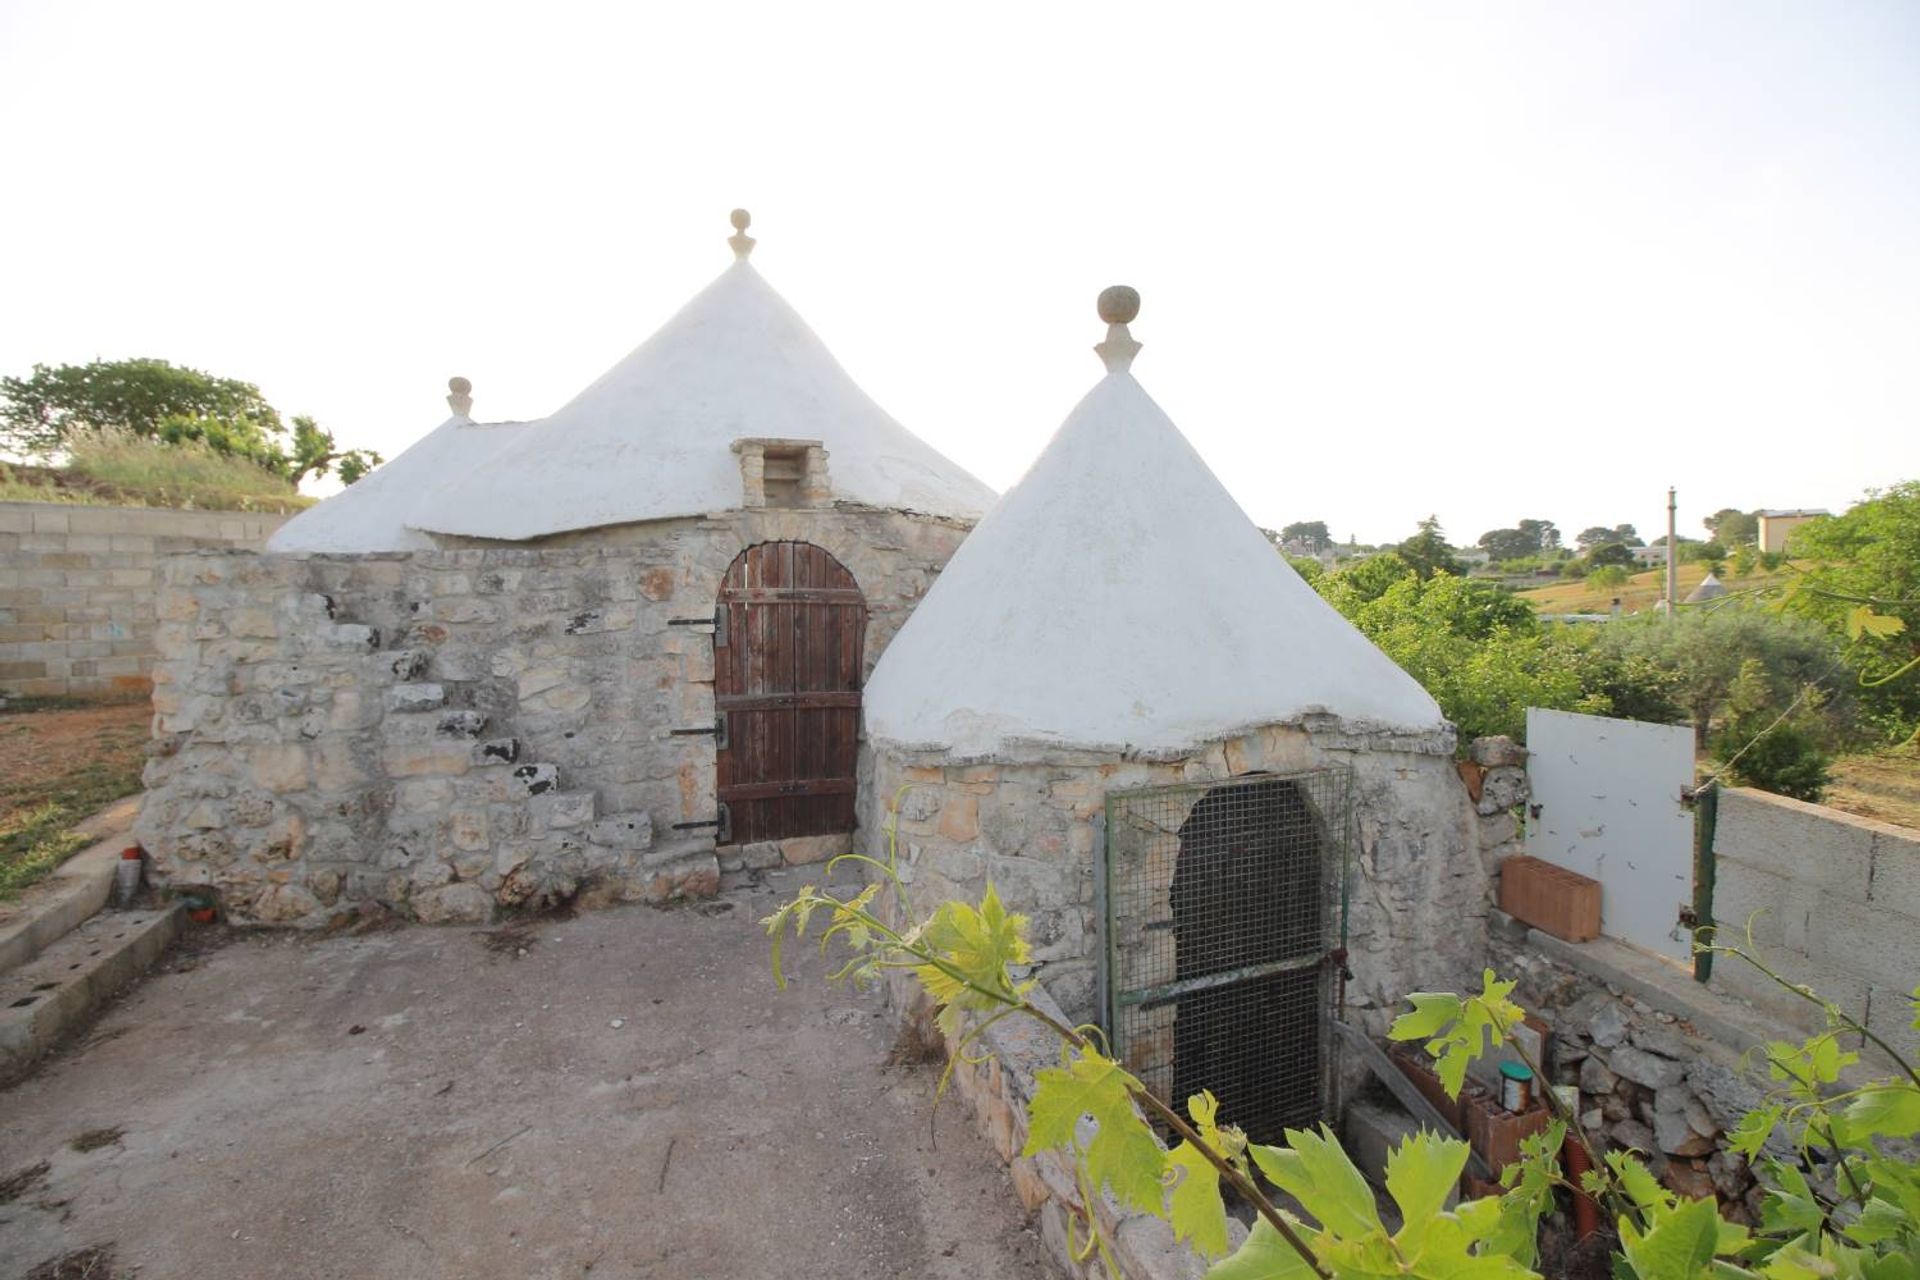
(1673, 557)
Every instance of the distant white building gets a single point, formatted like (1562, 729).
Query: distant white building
(1650, 555)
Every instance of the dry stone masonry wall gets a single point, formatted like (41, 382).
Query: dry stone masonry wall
(451, 732)
(1419, 888)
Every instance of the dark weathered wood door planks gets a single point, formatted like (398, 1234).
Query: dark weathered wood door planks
(787, 669)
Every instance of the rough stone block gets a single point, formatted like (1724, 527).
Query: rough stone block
(563, 810)
(350, 637)
(1503, 788)
(537, 779)
(1497, 752)
(496, 751)
(279, 766)
(416, 697)
(407, 664)
(1643, 1068)
(462, 724)
(623, 831)
(458, 903)
(411, 759)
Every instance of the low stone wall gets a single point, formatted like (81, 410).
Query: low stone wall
(994, 1077)
(1835, 903)
(448, 732)
(1648, 1079)
(78, 588)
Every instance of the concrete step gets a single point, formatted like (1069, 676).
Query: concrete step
(47, 911)
(57, 991)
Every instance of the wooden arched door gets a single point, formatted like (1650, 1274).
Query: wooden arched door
(787, 667)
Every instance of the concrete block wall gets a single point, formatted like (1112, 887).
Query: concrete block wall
(78, 586)
(1834, 902)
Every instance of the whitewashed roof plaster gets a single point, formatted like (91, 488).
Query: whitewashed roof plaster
(372, 514)
(1118, 598)
(653, 437)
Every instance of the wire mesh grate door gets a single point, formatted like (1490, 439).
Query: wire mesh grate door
(1225, 915)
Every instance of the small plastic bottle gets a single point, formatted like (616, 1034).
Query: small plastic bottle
(126, 876)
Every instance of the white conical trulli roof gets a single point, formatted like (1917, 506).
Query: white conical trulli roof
(1117, 597)
(374, 513)
(653, 438)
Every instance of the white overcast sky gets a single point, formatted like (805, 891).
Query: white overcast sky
(1481, 260)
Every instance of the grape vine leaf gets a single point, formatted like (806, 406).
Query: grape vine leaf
(1457, 1031)
(1680, 1245)
(1863, 621)
(1314, 1170)
(1421, 1172)
(1890, 1110)
(1194, 1206)
(1265, 1255)
(1123, 1154)
(974, 948)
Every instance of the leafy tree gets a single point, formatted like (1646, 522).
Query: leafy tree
(1507, 544)
(42, 414)
(1599, 535)
(1730, 527)
(1544, 534)
(1427, 551)
(1610, 553)
(1707, 652)
(1359, 581)
(1863, 585)
(1310, 533)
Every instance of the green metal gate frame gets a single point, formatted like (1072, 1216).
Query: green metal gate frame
(1138, 858)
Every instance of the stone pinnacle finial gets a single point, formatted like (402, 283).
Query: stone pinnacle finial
(742, 242)
(460, 396)
(1118, 305)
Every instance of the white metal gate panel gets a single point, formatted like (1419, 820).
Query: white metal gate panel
(1607, 804)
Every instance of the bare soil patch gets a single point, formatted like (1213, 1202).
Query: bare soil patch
(1884, 786)
(58, 764)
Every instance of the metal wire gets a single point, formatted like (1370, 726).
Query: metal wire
(1223, 905)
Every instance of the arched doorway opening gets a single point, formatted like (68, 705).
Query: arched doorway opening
(787, 669)
(1250, 923)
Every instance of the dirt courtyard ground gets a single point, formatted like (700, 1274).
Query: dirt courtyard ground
(631, 1097)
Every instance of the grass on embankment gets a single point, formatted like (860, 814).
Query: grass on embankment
(60, 762)
(127, 471)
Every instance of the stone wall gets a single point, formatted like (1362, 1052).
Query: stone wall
(78, 585)
(1649, 1080)
(995, 1077)
(452, 731)
(1419, 898)
(1834, 901)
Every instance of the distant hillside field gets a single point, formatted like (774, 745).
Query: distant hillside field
(1642, 591)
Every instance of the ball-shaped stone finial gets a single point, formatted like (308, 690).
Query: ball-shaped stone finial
(1119, 304)
(460, 386)
(741, 219)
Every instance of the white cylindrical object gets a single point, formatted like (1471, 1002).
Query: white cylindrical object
(126, 881)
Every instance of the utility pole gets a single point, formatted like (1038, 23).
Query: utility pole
(1673, 557)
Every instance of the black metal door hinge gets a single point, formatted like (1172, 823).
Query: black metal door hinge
(722, 826)
(717, 620)
(718, 729)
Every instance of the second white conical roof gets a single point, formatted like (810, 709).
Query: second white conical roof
(1118, 598)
